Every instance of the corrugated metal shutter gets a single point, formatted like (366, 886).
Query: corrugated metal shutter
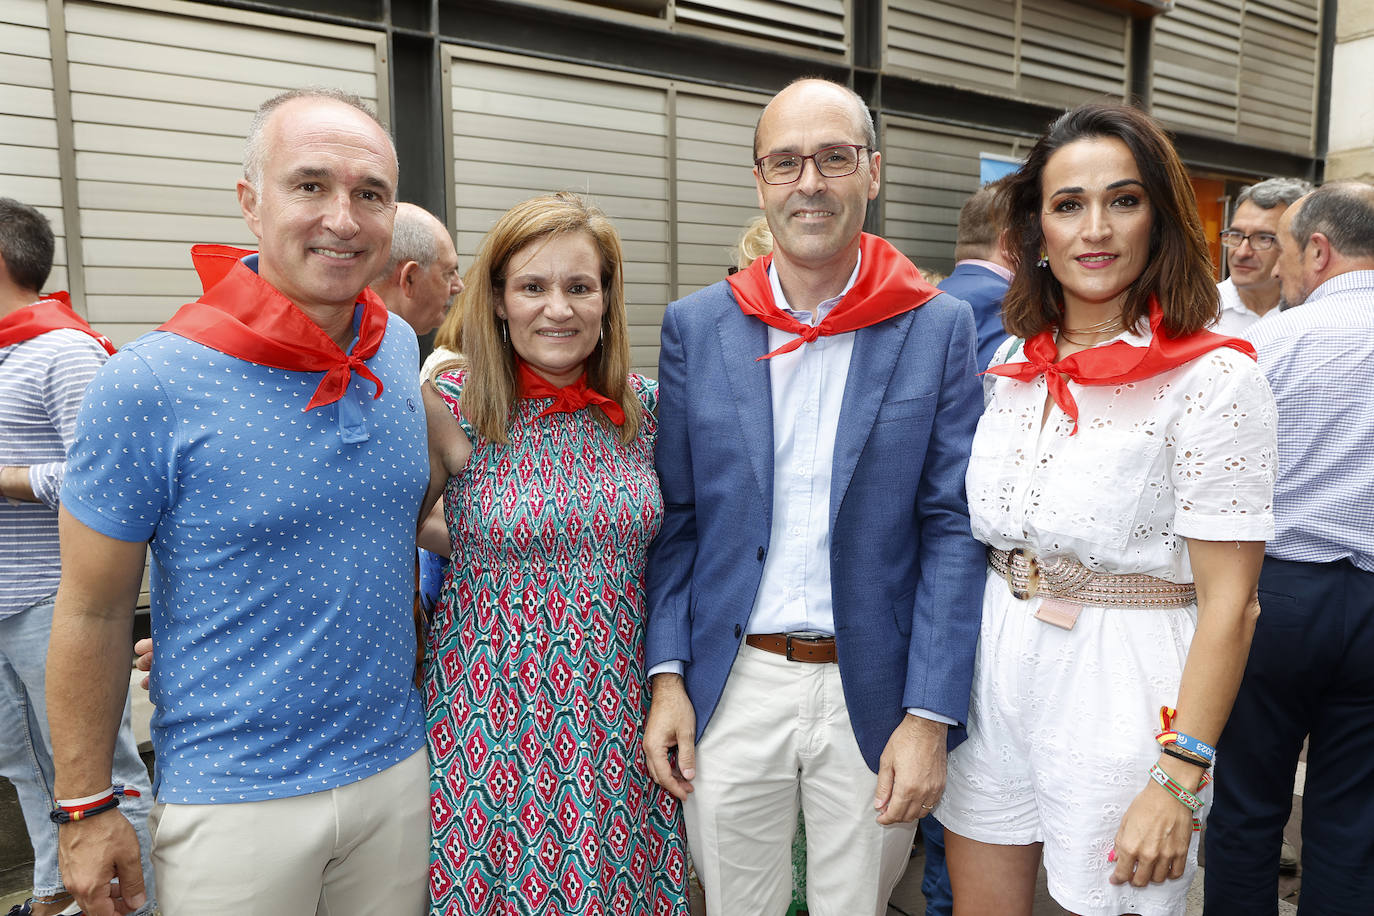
(518, 131)
(161, 101)
(1280, 43)
(968, 43)
(929, 170)
(1196, 66)
(715, 187)
(820, 24)
(1059, 52)
(1071, 52)
(29, 166)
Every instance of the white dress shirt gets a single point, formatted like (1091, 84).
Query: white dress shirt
(807, 389)
(1235, 315)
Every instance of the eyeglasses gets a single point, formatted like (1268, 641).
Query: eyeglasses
(1260, 241)
(831, 162)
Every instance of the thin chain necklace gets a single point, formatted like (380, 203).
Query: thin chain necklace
(1113, 324)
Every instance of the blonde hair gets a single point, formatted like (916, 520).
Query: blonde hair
(490, 391)
(755, 242)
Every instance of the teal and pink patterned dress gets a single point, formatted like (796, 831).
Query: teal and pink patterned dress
(535, 693)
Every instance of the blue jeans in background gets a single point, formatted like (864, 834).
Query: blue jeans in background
(935, 879)
(26, 749)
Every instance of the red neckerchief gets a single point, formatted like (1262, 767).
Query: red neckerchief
(244, 316)
(51, 313)
(1114, 364)
(888, 285)
(568, 399)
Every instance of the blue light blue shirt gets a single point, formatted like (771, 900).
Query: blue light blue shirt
(41, 383)
(1319, 360)
(283, 545)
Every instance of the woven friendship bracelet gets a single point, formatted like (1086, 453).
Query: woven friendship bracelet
(1191, 801)
(77, 809)
(1170, 735)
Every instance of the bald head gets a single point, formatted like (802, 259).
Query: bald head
(421, 276)
(809, 92)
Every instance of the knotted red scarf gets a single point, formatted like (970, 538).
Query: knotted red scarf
(244, 316)
(51, 313)
(568, 399)
(1114, 364)
(888, 285)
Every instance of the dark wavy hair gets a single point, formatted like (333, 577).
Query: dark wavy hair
(1179, 269)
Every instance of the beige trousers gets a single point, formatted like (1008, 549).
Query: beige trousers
(359, 850)
(781, 737)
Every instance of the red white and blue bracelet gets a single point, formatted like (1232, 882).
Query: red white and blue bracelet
(78, 809)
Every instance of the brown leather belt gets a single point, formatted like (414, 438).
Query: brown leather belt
(815, 650)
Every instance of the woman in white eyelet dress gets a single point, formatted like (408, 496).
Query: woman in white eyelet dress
(1169, 475)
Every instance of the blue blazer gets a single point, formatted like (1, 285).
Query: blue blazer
(984, 291)
(906, 574)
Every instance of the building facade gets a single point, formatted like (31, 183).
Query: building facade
(124, 121)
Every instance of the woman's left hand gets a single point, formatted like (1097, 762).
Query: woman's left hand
(1152, 841)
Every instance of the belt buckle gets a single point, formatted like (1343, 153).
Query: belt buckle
(1032, 574)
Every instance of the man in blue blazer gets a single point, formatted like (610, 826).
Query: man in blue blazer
(982, 272)
(815, 593)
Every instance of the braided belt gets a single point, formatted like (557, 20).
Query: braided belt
(1070, 580)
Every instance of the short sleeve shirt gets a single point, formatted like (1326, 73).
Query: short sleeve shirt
(283, 558)
(1188, 453)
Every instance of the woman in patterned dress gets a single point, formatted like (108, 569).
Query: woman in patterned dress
(534, 681)
(1121, 475)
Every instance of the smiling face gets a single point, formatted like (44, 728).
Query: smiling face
(1250, 269)
(323, 214)
(552, 299)
(1096, 221)
(816, 220)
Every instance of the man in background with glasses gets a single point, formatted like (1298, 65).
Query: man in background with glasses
(815, 593)
(1250, 291)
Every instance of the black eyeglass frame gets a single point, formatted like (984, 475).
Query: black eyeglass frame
(1234, 238)
(857, 147)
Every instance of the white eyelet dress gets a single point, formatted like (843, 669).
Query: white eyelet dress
(1062, 722)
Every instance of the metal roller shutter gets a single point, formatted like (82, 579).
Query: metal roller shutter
(969, 43)
(162, 97)
(1279, 59)
(1072, 52)
(1196, 64)
(1020, 48)
(30, 169)
(929, 170)
(819, 24)
(715, 185)
(518, 131)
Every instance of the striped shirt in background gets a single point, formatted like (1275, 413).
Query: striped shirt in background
(1319, 360)
(42, 381)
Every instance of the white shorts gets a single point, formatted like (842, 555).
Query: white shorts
(1061, 740)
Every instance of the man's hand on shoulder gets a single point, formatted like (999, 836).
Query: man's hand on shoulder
(95, 851)
(911, 772)
(672, 724)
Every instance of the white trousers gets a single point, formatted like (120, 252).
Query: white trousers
(780, 737)
(359, 850)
